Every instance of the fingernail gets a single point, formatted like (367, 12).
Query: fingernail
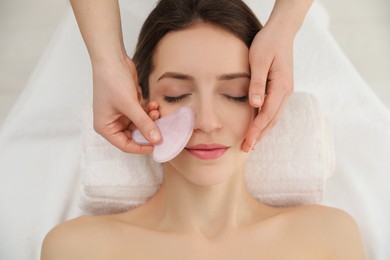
(154, 135)
(253, 144)
(256, 100)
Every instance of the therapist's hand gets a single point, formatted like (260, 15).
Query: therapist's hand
(271, 62)
(117, 109)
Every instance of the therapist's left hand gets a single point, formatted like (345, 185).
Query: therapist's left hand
(271, 62)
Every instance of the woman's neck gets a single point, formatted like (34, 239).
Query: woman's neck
(210, 211)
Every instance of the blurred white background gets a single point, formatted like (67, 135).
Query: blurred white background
(361, 27)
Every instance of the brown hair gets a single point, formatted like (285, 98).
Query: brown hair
(173, 15)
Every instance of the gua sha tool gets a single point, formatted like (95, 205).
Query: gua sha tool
(176, 129)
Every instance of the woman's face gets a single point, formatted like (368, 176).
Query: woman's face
(205, 68)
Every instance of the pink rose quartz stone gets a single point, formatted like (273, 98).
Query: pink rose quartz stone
(176, 130)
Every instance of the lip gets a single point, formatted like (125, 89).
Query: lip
(207, 151)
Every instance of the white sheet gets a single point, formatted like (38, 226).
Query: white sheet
(40, 147)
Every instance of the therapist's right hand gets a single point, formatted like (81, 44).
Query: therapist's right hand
(117, 108)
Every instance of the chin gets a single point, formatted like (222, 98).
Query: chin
(207, 172)
(208, 175)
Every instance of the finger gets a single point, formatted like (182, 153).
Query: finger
(267, 113)
(154, 115)
(132, 127)
(128, 133)
(152, 109)
(258, 83)
(121, 123)
(141, 120)
(118, 133)
(117, 124)
(273, 122)
(123, 141)
(152, 105)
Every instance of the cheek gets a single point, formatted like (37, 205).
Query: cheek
(166, 109)
(238, 119)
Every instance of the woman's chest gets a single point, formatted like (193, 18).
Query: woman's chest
(250, 246)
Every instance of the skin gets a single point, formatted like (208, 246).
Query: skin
(203, 209)
(116, 106)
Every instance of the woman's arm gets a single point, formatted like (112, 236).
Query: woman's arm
(271, 61)
(116, 103)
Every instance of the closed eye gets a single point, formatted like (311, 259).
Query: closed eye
(175, 99)
(242, 99)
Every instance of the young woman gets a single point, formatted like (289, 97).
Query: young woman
(195, 53)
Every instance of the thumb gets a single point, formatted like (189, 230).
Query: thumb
(142, 121)
(258, 84)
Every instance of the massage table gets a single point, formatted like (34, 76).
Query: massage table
(40, 144)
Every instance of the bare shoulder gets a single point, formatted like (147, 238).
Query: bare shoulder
(78, 238)
(330, 227)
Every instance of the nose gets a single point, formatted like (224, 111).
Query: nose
(207, 119)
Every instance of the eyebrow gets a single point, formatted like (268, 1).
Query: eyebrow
(235, 75)
(182, 76)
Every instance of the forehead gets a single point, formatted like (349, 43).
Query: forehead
(201, 48)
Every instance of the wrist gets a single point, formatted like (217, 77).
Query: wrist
(109, 57)
(288, 15)
(284, 31)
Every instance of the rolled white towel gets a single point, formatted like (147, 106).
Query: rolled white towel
(288, 167)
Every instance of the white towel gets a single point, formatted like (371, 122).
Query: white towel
(288, 167)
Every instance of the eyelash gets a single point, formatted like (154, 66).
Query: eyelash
(174, 99)
(242, 99)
